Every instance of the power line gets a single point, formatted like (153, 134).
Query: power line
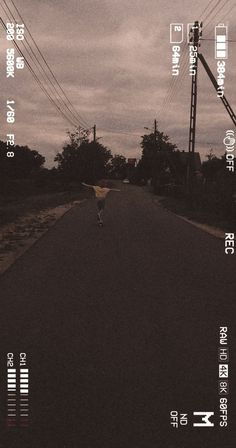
(231, 9)
(213, 40)
(212, 10)
(216, 13)
(174, 82)
(38, 80)
(49, 91)
(43, 74)
(172, 91)
(120, 132)
(205, 9)
(50, 70)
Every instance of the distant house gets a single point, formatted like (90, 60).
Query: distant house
(184, 159)
(171, 168)
(177, 163)
(132, 162)
(130, 167)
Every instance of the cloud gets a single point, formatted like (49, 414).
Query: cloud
(113, 59)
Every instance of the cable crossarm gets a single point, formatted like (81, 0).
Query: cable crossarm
(213, 80)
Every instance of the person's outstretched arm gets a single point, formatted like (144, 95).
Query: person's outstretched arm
(87, 185)
(114, 189)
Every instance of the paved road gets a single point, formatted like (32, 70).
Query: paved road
(120, 325)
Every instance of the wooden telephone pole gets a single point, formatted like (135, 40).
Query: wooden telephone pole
(94, 133)
(194, 43)
(155, 131)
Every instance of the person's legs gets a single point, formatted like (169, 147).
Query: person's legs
(100, 206)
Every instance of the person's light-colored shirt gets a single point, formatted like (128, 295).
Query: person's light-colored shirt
(101, 192)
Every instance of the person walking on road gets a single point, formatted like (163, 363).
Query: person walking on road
(101, 191)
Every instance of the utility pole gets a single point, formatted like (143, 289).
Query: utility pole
(214, 82)
(80, 139)
(194, 47)
(194, 41)
(94, 133)
(155, 131)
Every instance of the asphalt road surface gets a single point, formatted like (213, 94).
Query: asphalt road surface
(121, 326)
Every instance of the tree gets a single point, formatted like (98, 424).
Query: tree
(154, 146)
(211, 154)
(117, 166)
(157, 142)
(79, 136)
(25, 162)
(83, 161)
(213, 166)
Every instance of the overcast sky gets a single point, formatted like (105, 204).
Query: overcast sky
(113, 59)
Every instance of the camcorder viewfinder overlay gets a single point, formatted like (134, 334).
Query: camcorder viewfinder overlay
(117, 223)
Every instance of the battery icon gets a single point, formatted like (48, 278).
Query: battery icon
(176, 33)
(221, 41)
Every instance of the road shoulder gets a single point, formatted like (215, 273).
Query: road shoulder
(18, 236)
(212, 230)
